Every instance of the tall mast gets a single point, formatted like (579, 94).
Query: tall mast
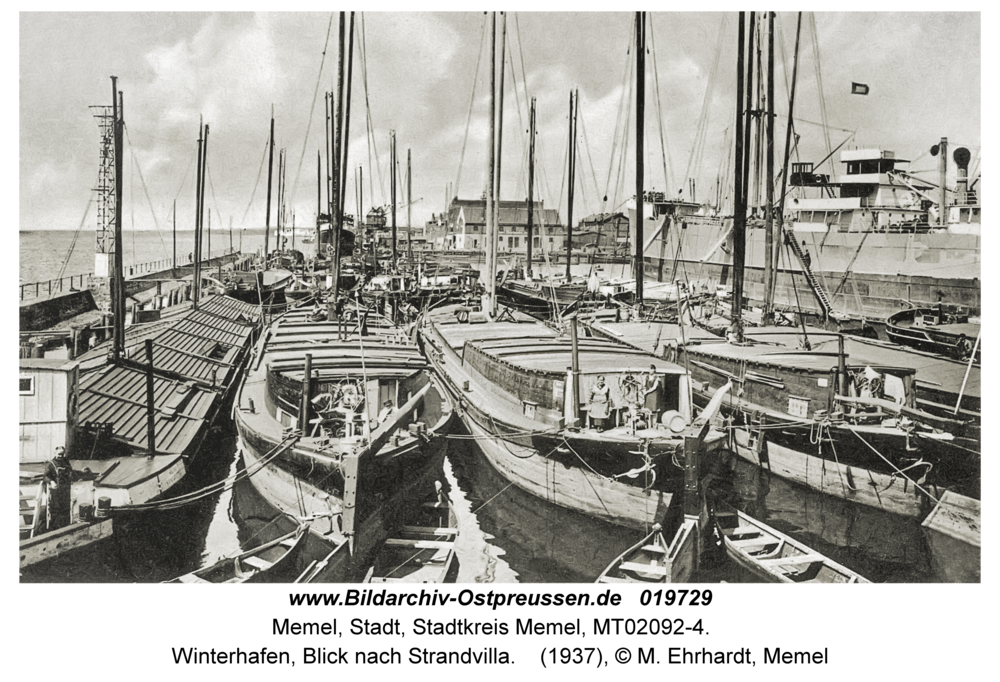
(409, 205)
(319, 192)
(788, 135)
(337, 216)
(345, 142)
(270, 169)
(739, 209)
(574, 107)
(174, 261)
(748, 117)
(640, 100)
(491, 266)
(118, 278)
(497, 200)
(197, 218)
(531, 182)
(769, 274)
(392, 186)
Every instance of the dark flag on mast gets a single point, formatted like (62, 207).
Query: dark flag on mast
(859, 89)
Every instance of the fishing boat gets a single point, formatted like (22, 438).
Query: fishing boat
(933, 329)
(609, 456)
(849, 430)
(273, 561)
(775, 557)
(653, 560)
(342, 422)
(260, 287)
(422, 550)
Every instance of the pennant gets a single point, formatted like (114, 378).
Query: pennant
(859, 89)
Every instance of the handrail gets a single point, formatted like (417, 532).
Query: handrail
(30, 290)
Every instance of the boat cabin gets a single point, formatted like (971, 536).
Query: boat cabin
(48, 397)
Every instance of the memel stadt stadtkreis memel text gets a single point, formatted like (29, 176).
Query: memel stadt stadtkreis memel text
(680, 637)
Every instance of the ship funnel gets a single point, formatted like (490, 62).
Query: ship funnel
(962, 156)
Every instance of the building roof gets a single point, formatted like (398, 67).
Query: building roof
(511, 212)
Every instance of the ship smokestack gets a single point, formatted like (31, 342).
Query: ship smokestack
(962, 157)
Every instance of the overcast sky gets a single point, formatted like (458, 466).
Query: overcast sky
(923, 71)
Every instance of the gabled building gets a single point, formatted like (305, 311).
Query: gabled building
(466, 227)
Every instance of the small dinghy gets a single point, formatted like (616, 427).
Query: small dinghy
(271, 562)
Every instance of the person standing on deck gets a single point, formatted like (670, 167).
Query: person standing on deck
(654, 394)
(598, 404)
(59, 473)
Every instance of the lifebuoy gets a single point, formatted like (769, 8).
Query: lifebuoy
(463, 315)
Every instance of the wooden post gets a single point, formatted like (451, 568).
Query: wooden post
(306, 391)
(150, 401)
(692, 483)
(575, 368)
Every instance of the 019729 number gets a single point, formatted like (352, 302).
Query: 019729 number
(675, 597)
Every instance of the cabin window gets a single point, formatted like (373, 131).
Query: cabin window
(27, 385)
(798, 407)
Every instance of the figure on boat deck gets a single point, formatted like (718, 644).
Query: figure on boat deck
(599, 403)
(653, 400)
(59, 473)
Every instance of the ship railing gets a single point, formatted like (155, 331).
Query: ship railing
(61, 285)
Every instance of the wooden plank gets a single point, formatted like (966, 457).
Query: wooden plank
(655, 548)
(643, 568)
(740, 530)
(428, 529)
(609, 579)
(257, 562)
(792, 560)
(419, 544)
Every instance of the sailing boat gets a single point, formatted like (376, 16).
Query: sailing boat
(343, 424)
(587, 424)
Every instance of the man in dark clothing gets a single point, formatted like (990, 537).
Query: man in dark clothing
(806, 258)
(59, 473)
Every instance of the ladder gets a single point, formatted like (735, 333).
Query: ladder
(817, 287)
(32, 512)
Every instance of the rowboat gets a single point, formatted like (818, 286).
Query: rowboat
(271, 562)
(775, 557)
(423, 550)
(643, 562)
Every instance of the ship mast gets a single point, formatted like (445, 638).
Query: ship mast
(640, 100)
(491, 267)
(118, 281)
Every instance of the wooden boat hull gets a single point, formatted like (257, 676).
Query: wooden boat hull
(907, 327)
(653, 560)
(953, 531)
(422, 550)
(58, 542)
(273, 561)
(775, 557)
(889, 493)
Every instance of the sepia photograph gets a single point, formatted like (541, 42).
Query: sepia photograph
(628, 298)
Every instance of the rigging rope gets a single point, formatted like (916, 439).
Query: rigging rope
(145, 190)
(76, 236)
(659, 110)
(256, 182)
(312, 109)
(468, 121)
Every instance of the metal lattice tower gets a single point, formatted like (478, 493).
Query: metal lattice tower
(106, 181)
